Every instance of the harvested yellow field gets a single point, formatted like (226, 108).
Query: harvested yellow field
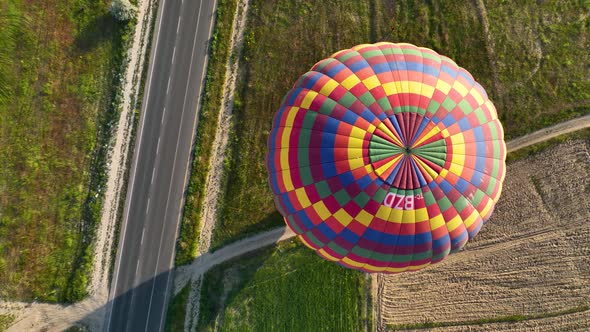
(530, 259)
(572, 322)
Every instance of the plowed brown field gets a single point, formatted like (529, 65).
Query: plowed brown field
(531, 258)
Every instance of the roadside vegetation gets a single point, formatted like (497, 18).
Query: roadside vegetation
(285, 288)
(59, 64)
(5, 321)
(176, 314)
(188, 240)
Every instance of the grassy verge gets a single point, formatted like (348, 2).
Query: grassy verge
(56, 112)
(188, 239)
(502, 319)
(286, 288)
(540, 147)
(6, 321)
(177, 310)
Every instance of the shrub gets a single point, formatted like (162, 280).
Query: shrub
(123, 10)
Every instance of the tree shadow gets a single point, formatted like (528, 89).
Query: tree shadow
(96, 31)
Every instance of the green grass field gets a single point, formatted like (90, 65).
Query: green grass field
(285, 288)
(542, 62)
(285, 38)
(58, 65)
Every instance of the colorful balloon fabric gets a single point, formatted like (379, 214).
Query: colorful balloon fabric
(386, 157)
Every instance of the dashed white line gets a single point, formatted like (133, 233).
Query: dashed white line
(173, 54)
(137, 268)
(148, 206)
(168, 87)
(113, 289)
(169, 189)
(153, 173)
(158, 147)
(164, 112)
(142, 234)
(178, 25)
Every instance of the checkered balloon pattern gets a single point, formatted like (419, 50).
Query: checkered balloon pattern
(386, 157)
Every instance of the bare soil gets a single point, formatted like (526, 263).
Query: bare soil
(530, 258)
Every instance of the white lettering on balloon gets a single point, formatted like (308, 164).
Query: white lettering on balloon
(400, 202)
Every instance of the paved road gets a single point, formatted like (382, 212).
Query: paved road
(145, 256)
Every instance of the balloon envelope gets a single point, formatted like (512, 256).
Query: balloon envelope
(386, 157)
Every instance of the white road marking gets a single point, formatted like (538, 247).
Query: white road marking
(178, 25)
(137, 267)
(186, 176)
(153, 173)
(123, 231)
(148, 206)
(158, 147)
(171, 176)
(168, 87)
(164, 112)
(142, 234)
(173, 54)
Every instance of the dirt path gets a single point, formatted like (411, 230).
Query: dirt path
(207, 260)
(212, 185)
(548, 133)
(31, 316)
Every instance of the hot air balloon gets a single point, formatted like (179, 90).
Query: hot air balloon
(386, 157)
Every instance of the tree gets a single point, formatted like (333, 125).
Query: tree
(123, 10)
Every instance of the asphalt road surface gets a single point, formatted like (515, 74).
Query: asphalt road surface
(145, 256)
